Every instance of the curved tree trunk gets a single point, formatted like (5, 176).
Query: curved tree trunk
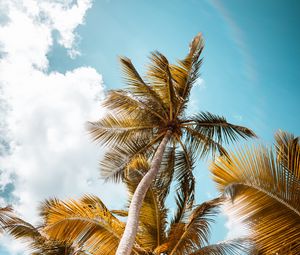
(130, 231)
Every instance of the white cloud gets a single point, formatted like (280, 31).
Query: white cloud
(236, 228)
(44, 113)
(200, 83)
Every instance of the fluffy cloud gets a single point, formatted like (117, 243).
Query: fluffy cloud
(44, 148)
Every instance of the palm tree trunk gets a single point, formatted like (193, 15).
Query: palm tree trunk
(130, 231)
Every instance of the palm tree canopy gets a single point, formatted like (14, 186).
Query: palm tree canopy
(140, 115)
(90, 224)
(264, 186)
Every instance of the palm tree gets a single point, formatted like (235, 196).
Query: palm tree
(264, 185)
(91, 225)
(148, 119)
(38, 242)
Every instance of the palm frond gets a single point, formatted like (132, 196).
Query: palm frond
(37, 241)
(114, 130)
(229, 247)
(264, 194)
(116, 162)
(186, 72)
(160, 77)
(218, 129)
(138, 87)
(6, 214)
(19, 228)
(87, 223)
(184, 200)
(120, 213)
(124, 102)
(193, 234)
(288, 151)
(201, 144)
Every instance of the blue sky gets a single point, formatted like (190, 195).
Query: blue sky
(251, 58)
(250, 74)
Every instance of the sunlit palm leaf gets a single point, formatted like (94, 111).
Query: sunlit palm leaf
(38, 242)
(186, 73)
(112, 129)
(288, 151)
(138, 87)
(265, 194)
(123, 102)
(231, 247)
(159, 75)
(86, 223)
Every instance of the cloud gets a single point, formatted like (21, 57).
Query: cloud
(200, 83)
(236, 228)
(44, 148)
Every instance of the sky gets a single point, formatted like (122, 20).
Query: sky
(58, 58)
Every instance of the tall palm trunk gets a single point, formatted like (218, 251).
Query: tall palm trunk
(129, 234)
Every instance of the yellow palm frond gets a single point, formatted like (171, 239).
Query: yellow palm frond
(87, 223)
(288, 151)
(265, 195)
(230, 247)
(37, 241)
(112, 130)
(186, 72)
(123, 102)
(159, 76)
(138, 87)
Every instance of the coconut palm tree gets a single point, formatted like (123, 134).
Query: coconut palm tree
(91, 225)
(148, 118)
(38, 242)
(264, 185)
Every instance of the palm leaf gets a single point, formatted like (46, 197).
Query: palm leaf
(38, 242)
(159, 75)
(116, 162)
(6, 214)
(288, 151)
(266, 196)
(124, 102)
(116, 130)
(202, 144)
(230, 247)
(186, 73)
(138, 87)
(87, 223)
(218, 129)
(193, 232)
